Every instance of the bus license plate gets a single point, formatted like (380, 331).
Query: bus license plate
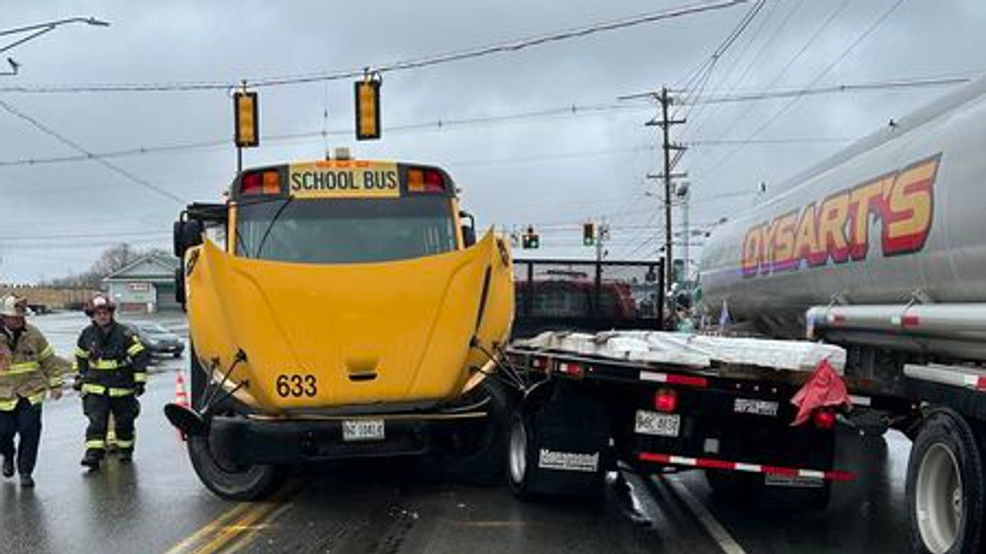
(653, 423)
(362, 430)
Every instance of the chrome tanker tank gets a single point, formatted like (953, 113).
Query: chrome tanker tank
(898, 219)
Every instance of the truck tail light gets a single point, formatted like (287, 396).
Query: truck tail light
(666, 400)
(823, 419)
(571, 369)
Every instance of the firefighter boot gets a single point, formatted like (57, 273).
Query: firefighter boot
(125, 455)
(8, 466)
(27, 481)
(92, 458)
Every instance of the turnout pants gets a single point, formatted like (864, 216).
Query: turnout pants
(24, 420)
(98, 408)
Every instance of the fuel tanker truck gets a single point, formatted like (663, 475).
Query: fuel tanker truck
(341, 310)
(881, 249)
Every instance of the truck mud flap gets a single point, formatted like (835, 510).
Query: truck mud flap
(567, 442)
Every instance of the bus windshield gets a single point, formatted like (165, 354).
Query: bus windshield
(345, 230)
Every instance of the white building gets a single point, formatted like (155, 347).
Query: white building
(147, 285)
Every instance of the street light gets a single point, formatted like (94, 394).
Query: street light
(40, 29)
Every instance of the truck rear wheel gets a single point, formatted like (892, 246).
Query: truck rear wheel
(945, 486)
(519, 456)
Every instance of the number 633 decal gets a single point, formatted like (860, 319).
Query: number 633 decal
(296, 385)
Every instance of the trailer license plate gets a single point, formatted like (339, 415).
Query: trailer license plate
(362, 430)
(653, 423)
(757, 407)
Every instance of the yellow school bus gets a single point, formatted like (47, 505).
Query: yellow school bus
(340, 309)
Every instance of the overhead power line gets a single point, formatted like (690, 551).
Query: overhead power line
(799, 94)
(788, 93)
(561, 111)
(94, 157)
(448, 57)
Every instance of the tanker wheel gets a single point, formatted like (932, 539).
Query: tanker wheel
(227, 479)
(945, 487)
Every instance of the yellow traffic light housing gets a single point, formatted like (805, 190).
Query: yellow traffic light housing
(368, 108)
(588, 233)
(245, 108)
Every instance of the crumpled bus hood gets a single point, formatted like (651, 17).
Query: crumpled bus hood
(324, 336)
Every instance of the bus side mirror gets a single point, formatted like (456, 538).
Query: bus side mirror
(468, 231)
(180, 286)
(186, 235)
(468, 236)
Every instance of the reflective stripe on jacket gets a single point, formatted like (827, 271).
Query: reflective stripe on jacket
(110, 361)
(28, 367)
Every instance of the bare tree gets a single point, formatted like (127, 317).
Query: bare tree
(109, 261)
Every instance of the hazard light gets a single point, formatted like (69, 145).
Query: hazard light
(425, 180)
(666, 400)
(261, 182)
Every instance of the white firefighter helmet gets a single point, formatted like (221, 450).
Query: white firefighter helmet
(12, 306)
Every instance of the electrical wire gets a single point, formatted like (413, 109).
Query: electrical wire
(570, 110)
(75, 146)
(448, 57)
(790, 62)
(869, 30)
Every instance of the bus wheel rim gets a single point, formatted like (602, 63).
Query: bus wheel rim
(939, 498)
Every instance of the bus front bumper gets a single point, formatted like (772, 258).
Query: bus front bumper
(289, 441)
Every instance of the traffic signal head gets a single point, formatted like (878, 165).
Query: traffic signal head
(588, 234)
(368, 109)
(530, 239)
(247, 122)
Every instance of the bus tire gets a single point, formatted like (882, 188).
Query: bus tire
(944, 486)
(223, 478)
(227, 481)
(482, 463)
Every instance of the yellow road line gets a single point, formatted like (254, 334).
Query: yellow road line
(245, 539)
(208, 528)
(237, 525)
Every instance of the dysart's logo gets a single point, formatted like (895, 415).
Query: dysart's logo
(837, 228)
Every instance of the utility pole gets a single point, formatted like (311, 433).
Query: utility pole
(667, 147)
(602, 235)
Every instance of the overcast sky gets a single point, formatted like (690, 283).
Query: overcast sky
(553, 172)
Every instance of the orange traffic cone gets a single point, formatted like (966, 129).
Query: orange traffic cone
(181, 397)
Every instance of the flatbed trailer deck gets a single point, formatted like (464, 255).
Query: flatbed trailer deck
(656, 401)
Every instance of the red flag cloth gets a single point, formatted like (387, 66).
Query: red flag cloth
(823, 388)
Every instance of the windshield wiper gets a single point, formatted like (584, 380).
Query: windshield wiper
(273, 220)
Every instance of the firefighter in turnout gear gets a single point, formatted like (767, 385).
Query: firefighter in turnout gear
(28, 369)
(112, 366)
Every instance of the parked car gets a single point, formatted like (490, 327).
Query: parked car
(157, 339)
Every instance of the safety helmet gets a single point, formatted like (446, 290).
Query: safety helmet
(12, 306)
(99, 301)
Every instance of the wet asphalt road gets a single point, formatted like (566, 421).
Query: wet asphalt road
(157, 504)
